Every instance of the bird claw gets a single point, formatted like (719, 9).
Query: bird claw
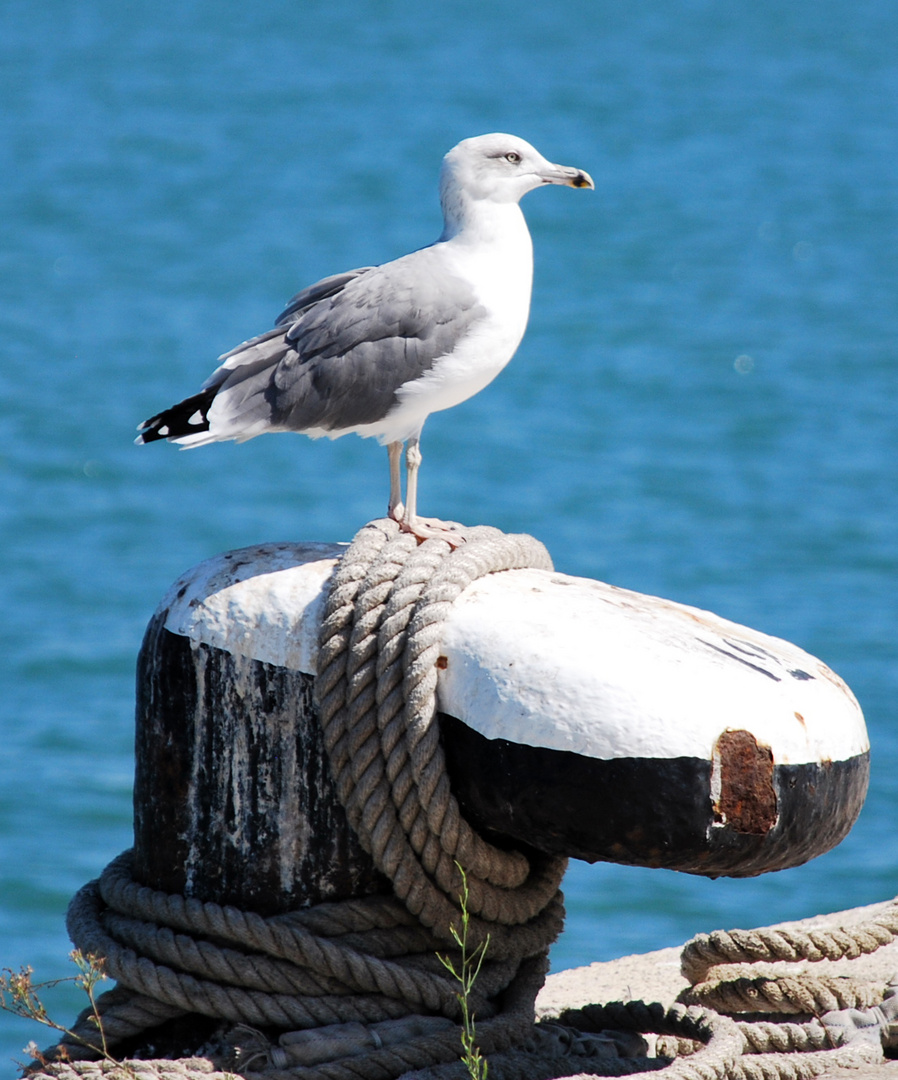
(435, 529)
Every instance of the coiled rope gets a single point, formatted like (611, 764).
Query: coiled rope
(355, 989)
(798, 1022)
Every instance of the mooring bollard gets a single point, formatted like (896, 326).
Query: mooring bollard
(576, 718)
(309, 842)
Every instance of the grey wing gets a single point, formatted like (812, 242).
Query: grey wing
(352, 351)
(342, 349)
(246, 351)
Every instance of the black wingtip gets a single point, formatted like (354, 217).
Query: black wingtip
(188, 417)
(152, 430)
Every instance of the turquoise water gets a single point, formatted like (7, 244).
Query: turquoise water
(704, 407)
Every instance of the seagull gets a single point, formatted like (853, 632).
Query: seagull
(377, 349)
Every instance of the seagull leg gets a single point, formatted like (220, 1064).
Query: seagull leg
(423, 530)
(395, 510)
(412, 464)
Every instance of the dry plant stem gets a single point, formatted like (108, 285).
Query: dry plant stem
(24, 1000)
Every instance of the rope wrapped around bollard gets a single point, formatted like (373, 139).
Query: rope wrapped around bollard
(354, 990)
(376, 688)
(365, 961)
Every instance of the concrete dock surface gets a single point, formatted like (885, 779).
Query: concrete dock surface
(655, 976)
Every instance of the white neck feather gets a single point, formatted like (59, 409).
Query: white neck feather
(481, 220)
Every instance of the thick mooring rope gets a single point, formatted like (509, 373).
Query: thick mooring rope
(376, 688)
(355, 989)
(743, 974)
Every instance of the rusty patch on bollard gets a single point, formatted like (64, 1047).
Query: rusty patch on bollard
(742, 791)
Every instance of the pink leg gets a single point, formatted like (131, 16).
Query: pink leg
(423, 529)
(395, 510)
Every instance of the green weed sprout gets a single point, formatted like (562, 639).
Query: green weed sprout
(466, 975)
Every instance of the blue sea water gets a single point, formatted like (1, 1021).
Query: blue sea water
(704, 407)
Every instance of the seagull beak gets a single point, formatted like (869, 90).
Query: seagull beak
(563, 174)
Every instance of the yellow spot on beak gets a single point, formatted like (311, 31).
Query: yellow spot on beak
(582, 180)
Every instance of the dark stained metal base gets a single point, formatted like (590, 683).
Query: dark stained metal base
(658, 812)
(233, 798)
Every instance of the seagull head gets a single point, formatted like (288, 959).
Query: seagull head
(500, 168)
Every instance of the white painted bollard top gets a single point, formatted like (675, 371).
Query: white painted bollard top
(587, 719)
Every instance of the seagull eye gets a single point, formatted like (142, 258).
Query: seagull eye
(514, 157)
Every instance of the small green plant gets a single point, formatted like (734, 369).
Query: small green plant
(20, 995)
(466, 975)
